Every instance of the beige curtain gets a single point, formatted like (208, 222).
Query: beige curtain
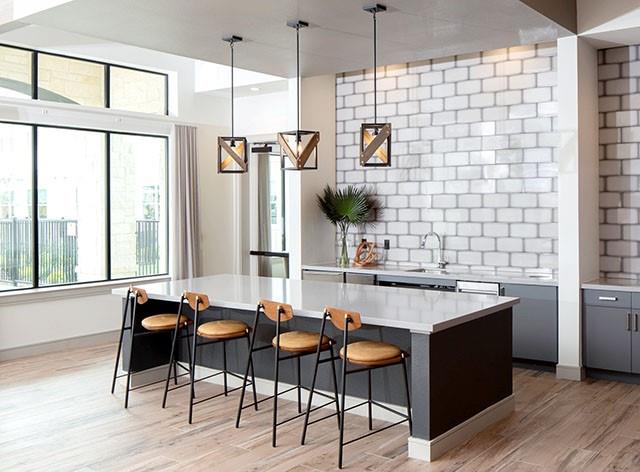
(186, 247)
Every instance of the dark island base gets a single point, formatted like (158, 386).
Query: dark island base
(461, 377)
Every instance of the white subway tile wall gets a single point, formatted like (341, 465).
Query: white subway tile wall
(474, 156)
(619, 107)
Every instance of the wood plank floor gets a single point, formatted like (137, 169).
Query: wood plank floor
(56, 414)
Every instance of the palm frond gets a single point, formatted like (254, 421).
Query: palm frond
(349, 206)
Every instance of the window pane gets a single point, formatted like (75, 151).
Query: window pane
(138, 206)
(65, 80)
(15, 73)
(15, 207)
(71, 185)
(133, 90)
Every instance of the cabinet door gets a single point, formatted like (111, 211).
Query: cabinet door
(322, 276)
(607, 338)
(635, 341)
(535, 322)
(362, 279)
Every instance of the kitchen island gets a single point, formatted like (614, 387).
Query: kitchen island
(460, 345)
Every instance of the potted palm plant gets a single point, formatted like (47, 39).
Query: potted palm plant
(346, 207)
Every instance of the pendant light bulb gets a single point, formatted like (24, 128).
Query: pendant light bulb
(232, 150)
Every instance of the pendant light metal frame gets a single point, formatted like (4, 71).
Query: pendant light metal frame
(375, 138)
(298, 157)
(232, 149)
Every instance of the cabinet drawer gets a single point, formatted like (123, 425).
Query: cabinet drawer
(607, 298)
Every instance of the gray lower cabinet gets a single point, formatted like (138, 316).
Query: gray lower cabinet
(607, 341)
(535, 322)
(611, 330)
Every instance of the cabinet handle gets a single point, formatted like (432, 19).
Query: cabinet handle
(608, 299)
(635, 322)
(628, 321)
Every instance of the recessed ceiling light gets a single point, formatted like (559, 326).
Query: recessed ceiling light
(255, 89)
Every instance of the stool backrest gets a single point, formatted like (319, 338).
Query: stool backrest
(271, 308)
(140, 294)
(195, 299)
(344, 318)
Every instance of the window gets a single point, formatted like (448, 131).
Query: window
(138, 205)
(134, 90)
(83, 82)
(72, 172)
(76, 170)
(16, 226)
(15, 73)
(66, 80)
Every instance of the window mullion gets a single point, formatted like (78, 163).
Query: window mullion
(35, 219)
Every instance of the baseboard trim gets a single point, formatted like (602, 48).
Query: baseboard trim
(430, 450)
(570, 372)
(89, 340)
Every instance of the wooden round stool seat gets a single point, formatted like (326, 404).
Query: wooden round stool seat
(301, 341)
(163, 322)
(223, 329)
(372, 353)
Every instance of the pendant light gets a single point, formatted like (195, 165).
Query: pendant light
(375, 138)
(299, 148)
(232, 150)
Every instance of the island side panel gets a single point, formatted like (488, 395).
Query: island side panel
(151, 349)
(470, 369)
(420, 403)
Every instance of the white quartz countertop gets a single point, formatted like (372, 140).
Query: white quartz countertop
(620, 285)
(416, 310)
(476, 275)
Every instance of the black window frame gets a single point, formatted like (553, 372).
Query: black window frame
(35, 263)
(107, 77)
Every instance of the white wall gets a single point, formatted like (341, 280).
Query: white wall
(310, 237)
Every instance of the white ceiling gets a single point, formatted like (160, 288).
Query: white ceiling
(339, 37)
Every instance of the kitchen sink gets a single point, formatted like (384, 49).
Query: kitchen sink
(430, 270)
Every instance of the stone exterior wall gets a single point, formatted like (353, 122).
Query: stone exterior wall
(474, 151)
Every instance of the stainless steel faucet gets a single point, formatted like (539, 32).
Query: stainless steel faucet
(441, 262)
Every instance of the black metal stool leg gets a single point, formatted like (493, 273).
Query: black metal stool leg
(131, 343)
(299, 389)
(188, 338)
(334, 378)
(124, 318)
(406, 384)
(192, 367)
(224, 365)
(249, 366)
(275, 393)
(369, 399)
(310, 399)
(253, 378)
(171, 362)
(342, 407)
(175, 372)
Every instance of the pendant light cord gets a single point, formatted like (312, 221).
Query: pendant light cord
(232, 98)
(298, 82)
(375, 67)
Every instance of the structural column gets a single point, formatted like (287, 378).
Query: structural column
(578, 193)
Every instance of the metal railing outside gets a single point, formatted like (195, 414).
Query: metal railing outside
(58, 250)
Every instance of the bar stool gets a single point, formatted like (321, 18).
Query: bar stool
(369, 355)
(218, 331)
(297, 344)
(152, 324)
